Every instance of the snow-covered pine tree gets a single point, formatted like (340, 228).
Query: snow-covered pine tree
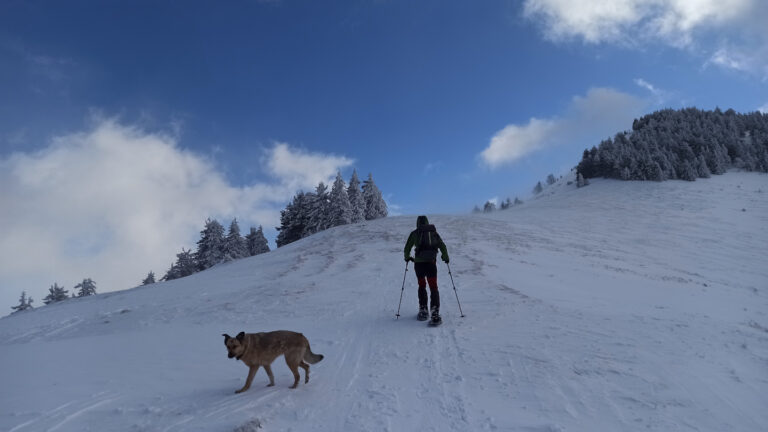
(476, 209)
(375, 207)
(86, 288)
(171, 274)
(701, 167)
(551, 179)
(625, 174)
(538, 188)
(518, 201)
(340, 211)
(210, 247)
(676, 140)
(318, 206)
(150, 279)
(507, 203)
(256, 242)
(234, 244)
(655, 172)
(686, 171)
(24, 303)
(185, 265)
(356, 202)
(293, 220)
(55, 294)
(489, 207)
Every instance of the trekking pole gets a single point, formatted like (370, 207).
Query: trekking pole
(454, 289)
(397, 316)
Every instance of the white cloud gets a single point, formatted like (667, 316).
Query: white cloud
(754, 61)
(602, 112)
(739, 24)
(114, 202)
(302, 170)
(513, 142)
(646, 85)
(599, 21)
(764, 109)
(660, 95)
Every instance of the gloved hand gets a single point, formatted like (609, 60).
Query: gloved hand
(445, 258)
(408, 258)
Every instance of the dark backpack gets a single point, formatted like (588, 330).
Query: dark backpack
(427, 242)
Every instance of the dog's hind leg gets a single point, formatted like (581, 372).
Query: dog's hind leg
(268, 368)
(251, 374)
(294, 367)
(304, 365)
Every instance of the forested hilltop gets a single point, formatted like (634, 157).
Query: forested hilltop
(681, 144)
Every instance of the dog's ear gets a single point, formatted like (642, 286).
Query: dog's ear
(241, 336)
(226, 337)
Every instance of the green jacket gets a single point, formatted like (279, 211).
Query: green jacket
(422, 222)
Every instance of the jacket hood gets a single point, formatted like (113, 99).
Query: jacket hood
(421, 220)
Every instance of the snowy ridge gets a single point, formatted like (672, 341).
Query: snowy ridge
(619, 306)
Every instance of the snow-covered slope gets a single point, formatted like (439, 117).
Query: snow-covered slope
(620, 306)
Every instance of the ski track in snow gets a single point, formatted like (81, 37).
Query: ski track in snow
(620, 306)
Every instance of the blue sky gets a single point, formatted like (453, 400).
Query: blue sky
(124, 125)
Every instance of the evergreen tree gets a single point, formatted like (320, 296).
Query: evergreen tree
(507, 203)
(375, 207)
(356, 201)
(309, 213)
(172, 273)
(24, 303)
(476, 209)
(580, 180)
(55, 294)
(150, 279)
(210, 247)
(185, 265)
(293, 220)
(318, 210)
(339, 206)
(538, 188)
(687, 172)
(489, 207)
(518, 201)
(234, 244)
(656, 172)
(681, 144)
(86, 288)
(701, 167)
(256, 242)
(551, 179)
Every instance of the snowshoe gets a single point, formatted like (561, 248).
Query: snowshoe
(436, 320)
(423, 315)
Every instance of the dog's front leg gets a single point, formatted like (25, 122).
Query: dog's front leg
(268, 368)
(251, 374)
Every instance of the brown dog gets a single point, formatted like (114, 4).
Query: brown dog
(261, 349)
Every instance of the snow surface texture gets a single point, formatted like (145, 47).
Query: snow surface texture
(619, 306)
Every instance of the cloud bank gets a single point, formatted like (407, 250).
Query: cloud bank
(732, 33)
(600, 113)
(115, 202)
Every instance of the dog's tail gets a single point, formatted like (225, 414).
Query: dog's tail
(311, 357)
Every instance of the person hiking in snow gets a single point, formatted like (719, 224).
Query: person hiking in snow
(427, 241)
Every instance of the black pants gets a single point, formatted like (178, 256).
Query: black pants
(426, 273)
